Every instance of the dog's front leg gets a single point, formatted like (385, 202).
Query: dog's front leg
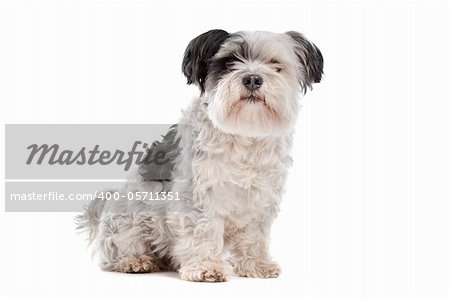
(250, 252)
(198, 250)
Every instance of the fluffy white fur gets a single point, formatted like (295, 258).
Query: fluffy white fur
(230, 174)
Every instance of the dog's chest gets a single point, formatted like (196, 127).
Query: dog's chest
(245, 178)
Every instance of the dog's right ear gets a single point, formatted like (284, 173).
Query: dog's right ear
(198, 53)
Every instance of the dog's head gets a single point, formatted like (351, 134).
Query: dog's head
(251, 81)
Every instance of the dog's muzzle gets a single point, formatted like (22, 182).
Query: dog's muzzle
(252, 82)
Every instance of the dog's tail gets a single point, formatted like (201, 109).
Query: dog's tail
(88, 221)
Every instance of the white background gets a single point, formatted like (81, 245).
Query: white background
(367, 210)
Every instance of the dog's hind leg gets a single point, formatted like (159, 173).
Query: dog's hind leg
(123, 247)
(137, 264)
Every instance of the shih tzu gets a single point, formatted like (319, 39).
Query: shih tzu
(230, 156)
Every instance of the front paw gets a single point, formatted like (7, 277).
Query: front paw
(209, 272)
(257, 269)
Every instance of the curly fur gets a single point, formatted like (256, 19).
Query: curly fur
(231, 161)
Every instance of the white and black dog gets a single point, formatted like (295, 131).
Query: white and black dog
(231, 154)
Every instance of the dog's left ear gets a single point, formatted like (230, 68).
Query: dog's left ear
(198, 54)
(310, 57)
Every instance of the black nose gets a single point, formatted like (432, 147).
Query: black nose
(252, 82)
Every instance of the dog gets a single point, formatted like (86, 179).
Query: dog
(230, 157)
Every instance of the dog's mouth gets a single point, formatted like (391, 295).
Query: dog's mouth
(253, 99)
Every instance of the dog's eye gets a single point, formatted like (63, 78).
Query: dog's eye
(230, 66)
(276, 64)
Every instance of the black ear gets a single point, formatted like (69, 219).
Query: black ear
(198, 53)
(310, 57)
